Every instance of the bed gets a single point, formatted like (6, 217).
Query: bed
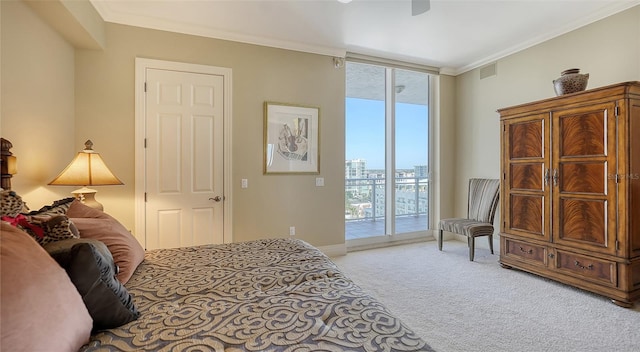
(262, 295)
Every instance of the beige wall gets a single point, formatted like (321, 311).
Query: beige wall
(443, 157)
(37, 108)
(609, 50)
(272, 203)
(49, 86)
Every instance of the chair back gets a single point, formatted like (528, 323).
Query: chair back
(483, 199)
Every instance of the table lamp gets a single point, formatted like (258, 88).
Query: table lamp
(86, 169)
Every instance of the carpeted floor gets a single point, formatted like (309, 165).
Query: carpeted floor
(457, 305)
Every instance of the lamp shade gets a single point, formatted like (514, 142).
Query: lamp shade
(12, 165)
(86, 169)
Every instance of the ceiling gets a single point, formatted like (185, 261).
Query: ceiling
(454, 35)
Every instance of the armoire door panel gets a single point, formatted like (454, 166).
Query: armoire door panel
(583, 177)
(583, 221)
(527, 214)
(583, 133)
(529, 176)
(526, 139)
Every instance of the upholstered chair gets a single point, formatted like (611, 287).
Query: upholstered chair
(481, 209)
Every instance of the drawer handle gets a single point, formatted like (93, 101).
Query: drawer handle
(530, 251)
(588, 267)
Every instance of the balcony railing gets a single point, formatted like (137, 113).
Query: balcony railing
(365, 200)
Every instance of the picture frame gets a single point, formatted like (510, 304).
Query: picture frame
(291, 139)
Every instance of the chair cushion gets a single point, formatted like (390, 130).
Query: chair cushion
(467, 227)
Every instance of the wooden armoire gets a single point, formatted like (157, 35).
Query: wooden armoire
(570, 190)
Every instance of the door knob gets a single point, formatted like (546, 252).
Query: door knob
(216, 198)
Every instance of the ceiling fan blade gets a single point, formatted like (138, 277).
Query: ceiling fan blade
(419, 7)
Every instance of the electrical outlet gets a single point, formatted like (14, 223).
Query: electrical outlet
(245, 183)
(292, 231)
(319, 181)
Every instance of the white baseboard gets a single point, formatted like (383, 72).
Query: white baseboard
(334, 250)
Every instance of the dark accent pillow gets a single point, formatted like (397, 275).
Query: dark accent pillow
(91, 268)
(61, 250)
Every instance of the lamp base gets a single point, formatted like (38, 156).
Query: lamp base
(87, 197)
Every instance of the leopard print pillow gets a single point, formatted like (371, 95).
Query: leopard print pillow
(11, 203)
(59, 207)
(46, 229)
(49, 223)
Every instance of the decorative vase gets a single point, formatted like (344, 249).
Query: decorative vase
(570, 81)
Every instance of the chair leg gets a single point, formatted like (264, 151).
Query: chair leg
(491, 243)
(440, 240)
(472, 247)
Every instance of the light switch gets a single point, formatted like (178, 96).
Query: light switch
(319, 181)
(245, 183)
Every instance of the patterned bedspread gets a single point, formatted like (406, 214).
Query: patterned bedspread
(264, 295)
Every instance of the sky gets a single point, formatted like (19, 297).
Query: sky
(365, 133)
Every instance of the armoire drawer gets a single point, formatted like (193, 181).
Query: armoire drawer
(588, 268)
(527, 252)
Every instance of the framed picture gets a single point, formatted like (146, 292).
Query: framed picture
(291, 139)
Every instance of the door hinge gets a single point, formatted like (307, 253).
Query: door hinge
(145, 87)
(145, 197)
(145, 142)
(617, 110)
(617, 178)
(617, 245)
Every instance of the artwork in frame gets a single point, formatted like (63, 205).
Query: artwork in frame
(291, 139)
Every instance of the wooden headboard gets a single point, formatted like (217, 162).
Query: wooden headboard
(5, 155)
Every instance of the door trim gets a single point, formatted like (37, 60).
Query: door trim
(141, 65)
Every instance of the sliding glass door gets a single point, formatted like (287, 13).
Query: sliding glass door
(387, 149)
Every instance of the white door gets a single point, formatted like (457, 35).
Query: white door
(184, 158)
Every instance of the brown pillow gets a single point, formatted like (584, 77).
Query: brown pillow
(93, 223)
(41, 309)
(78, 210)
